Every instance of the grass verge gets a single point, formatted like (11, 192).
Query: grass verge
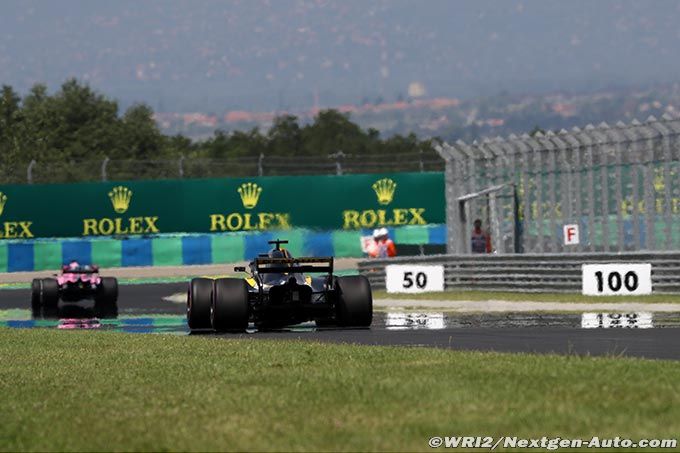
(106, 391)
(528, 297)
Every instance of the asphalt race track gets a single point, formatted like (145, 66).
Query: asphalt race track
(132, 299)
(545, 336)
(649, 343)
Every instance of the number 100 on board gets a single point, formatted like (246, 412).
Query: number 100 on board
(624, 279)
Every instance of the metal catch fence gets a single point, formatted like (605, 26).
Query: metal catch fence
(618, 183)
(58, 171)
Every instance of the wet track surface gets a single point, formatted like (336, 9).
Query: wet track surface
(142, 309)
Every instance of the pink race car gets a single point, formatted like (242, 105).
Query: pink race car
(75, 283)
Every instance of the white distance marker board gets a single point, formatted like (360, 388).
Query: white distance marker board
(412, 278)
(620, 279)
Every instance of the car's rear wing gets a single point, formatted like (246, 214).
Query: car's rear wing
(293, 265)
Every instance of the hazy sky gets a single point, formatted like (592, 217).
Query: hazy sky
(254, 54)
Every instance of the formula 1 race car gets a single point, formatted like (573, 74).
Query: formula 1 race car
(278, 293)
(75, 283)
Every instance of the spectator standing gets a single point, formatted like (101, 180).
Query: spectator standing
(481, 240)
(382, 246)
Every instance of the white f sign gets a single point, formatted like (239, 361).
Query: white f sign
(571, 236)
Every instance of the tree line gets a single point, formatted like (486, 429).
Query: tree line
(77, 124)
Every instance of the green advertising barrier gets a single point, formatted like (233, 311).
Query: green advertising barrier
(221, 205)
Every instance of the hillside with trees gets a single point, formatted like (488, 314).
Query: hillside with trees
(71, 132)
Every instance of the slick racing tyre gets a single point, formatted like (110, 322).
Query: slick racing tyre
(49, 296)
(355, 301)
(198, 303)
(36, 295)
(230, 305)
(106, 302)
(108, 291)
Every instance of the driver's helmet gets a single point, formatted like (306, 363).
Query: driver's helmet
(73, 266)
(277, 253)
(274, 253)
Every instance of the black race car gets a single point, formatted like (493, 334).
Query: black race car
(280, 292)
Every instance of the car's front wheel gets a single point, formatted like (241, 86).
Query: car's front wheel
(199, 299)
(230, 305)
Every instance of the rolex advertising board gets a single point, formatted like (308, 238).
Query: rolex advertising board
(221, 205)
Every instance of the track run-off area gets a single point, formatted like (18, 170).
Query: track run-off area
(160, 308)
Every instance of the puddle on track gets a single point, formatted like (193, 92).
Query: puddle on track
(83, 317)
(175, 324)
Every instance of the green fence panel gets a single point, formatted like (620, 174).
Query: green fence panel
(167, 251)
(347, 243)
(47, 255)
(3, 257)
(228, 248)
(295, 240)
(412, 235)
(107, 253)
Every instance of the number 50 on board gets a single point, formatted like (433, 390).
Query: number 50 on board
(411, 278)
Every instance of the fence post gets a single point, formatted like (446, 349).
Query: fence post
(338, 163)
(585, 138)
(605, 150)
(29, 171)
(667, 181)
(260, 162)
(457, 213)
(603, 160)
(648, 185)
(525, 191)
(620, 229)
(633, 159)
(495, 224)
(105, 163)
(575, 169)
(181, 166)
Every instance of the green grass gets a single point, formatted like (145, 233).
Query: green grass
(528, 297)
(106, 391)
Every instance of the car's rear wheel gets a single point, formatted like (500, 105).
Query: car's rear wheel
(198, 303)
(354, 302)
(325, 322)
(36, 298)
(108, 291)
(36, 294)
(49, 296)
(230, 305)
